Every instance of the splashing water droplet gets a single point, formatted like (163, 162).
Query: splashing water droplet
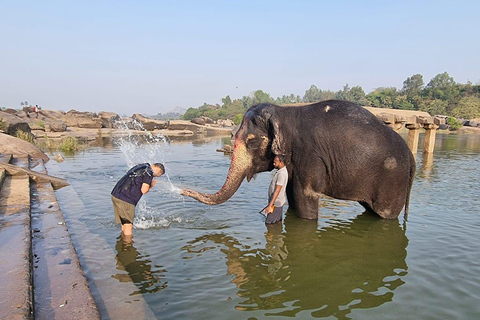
(138, 145)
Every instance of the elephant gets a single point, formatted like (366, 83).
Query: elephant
(335, 147)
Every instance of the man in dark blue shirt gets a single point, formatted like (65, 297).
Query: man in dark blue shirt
(128, 191)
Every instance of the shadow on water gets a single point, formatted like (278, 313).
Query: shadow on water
(327, 272)
(138, 269)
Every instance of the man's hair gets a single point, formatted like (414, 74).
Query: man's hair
(281, 157)
(161, 166)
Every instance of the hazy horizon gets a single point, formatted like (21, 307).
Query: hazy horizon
(151, 57)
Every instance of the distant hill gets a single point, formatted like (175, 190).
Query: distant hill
(171, 115)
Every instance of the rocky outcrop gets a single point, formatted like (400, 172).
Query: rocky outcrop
(202, 120)
(47, 120)
(226, 123)
(79, 119)
(20, 148)
(150, 124)
(472, 123)
(13, 123)
(108, 119)
(57, 126)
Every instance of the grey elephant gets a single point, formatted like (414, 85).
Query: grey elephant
(334, 147)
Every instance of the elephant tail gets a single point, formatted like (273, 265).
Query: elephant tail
(413, 169)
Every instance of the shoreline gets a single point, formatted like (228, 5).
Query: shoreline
(86, 134)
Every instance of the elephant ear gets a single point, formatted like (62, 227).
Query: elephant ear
(277, 136)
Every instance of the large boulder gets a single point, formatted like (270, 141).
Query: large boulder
(472, 123)
(52, 114)
(150, 124)
(108, 119)
(203, 120)
(57, 126)
(200, 121)
(226, 123)
(13, 123)
(20, 148)
(79, 119)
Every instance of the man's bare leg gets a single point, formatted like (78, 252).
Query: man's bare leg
(127, 231)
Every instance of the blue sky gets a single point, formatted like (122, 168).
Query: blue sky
(153, 56)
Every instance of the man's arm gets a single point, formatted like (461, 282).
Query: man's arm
(269, 209)
(146, 187)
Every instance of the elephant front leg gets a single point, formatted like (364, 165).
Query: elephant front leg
(303, 201)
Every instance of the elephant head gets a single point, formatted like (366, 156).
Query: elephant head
(256, 143)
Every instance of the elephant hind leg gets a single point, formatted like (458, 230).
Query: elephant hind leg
(385, 209)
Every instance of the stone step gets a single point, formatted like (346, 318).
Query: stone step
(61, 290)
(113, 294)
(40, 272)
(4, 158)
(15, 248)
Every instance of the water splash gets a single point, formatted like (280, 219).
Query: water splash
(138, 145)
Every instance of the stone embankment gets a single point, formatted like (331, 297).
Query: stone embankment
(39, 269)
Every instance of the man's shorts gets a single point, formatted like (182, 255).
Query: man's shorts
(124, 211)
(275, 216)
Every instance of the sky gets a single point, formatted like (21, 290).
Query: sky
(153, 56)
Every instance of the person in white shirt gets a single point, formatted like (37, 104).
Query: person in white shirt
(277, 191)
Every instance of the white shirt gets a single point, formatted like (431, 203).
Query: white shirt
(279, 179)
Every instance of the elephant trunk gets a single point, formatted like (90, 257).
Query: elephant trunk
(239, 164)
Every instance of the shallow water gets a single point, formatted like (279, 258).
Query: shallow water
(193, 261)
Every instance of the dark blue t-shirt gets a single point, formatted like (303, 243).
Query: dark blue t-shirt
(129, 187)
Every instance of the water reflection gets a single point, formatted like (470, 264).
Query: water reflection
(329, 272)
(427, 165)
(138, 269)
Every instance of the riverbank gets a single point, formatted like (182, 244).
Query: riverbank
(179, 128)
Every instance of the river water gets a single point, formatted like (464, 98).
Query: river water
(189, 260)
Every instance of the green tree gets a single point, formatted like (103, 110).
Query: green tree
(190, 114)
(238, 119)
(467, 108)
(357, 95)
(412, 89)
(314, 95)
(454, 123)
(262, 97)
(211, 113)
(403, 103)
(434, 107)
(383, 97)
(442, 87)
(227, 101)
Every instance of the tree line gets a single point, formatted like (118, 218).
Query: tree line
(441, 96)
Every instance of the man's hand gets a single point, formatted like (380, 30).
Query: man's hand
(154, 182)
(269, 209)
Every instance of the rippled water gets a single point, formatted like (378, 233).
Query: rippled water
(193, 261)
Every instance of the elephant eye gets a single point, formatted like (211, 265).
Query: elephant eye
(253, 142)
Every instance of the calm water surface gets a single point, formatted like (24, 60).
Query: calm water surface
(193, 261)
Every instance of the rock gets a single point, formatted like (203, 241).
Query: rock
(57, 126)
(150, 124)
(13, 123)
(200, 121)
(79, 119)
(225, 123)
(443, 127)
(59, 158)
(20, 148)
(108, 119)
(52, 114)
(208, 120)
(472, 123)
(10, 111)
